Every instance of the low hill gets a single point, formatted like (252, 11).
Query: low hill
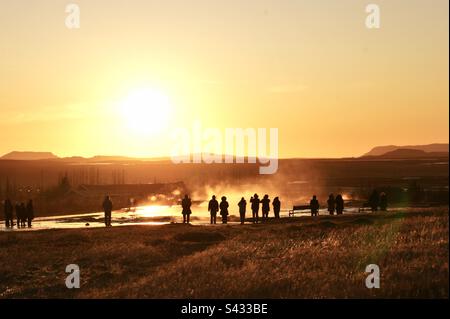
(405, 153)
(27, 156)
(429, 148)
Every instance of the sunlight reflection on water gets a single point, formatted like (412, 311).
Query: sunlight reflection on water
(143, 215)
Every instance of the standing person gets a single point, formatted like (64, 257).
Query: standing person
(255, 208)
(213, 208)
(331, 204)
(374, 200)
(265, 207)
(23, 215)
(186, 205)
(242, 207)
(314, 205)
(224, 210)
(107, 208)
(251, 207)
(383, 201)
(276, 207)
(339, 204)
(30, 212)
(18, 214)
(9, 222)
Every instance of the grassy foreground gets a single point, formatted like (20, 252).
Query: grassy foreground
(293, 258)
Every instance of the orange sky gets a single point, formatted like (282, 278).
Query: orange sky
(311, 69)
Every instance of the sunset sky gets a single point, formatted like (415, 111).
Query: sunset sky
(312, 69)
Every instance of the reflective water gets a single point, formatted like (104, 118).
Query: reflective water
(143, 215)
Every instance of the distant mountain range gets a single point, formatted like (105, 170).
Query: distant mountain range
(410, 151)
(385, 152)
(31, 156)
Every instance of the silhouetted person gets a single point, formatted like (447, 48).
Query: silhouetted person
(213, 208)
(23, 214)
(331, 204)
(383, 201)
(251, 207)
(374, 200)
(30, 212)
(186, 205)
(224, 209)
(8, 210)
(276, 207)
(242, 208)
(339, 202)
(130, 204)
(18, 214)
(107, 208)
(255, 208)
(314, 205)
(265, 207)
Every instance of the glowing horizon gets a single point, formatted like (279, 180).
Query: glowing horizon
(333, 87)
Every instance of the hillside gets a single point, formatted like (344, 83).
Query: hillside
(404, 153)
(27, 156)
(429, 148)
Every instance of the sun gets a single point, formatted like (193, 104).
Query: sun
(145, 110)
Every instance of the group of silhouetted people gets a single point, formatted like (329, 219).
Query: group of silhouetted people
(334, 204)
(24, 213)
(215, 207)
(265, 208)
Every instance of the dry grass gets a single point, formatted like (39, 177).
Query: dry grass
(295, 258)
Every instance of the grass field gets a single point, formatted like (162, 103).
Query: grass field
(292, 258)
